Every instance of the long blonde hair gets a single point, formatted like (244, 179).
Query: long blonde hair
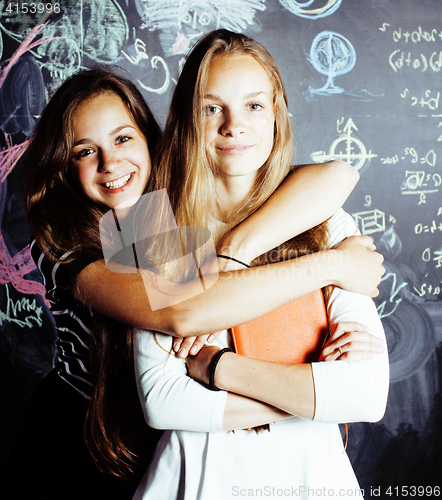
(184, 166)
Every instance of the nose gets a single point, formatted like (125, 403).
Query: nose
(233, 124)
(109, 161)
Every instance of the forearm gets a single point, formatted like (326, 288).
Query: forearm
(235, 298)
(309, 195)
(243, 413)
(287, 387)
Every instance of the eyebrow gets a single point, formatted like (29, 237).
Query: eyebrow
(85, 140)
(215, 97)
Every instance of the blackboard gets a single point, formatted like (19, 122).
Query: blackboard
(364, 85)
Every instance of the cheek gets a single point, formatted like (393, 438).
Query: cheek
(81, 176)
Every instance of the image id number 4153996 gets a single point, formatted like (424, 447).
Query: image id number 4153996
(33, 8)
(410, 491)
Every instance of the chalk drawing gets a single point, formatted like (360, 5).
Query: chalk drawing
(141, 55)
(182, 23)
(301, 9)
(14, 268)
(97, 29)
(16, 308)
(370, 221)
(332, 55)
(343, 149)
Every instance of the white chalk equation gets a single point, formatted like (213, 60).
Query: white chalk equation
(400, 60)
(311, 9)
(427, 100)
(419, 182)
(332, 55)
(411, 153)
(346, 147)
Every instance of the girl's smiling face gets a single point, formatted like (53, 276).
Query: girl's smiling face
(239, 118)
(110, 159)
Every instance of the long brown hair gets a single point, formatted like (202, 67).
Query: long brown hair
(60, 217)
(64, 221)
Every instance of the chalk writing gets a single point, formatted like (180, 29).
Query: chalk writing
(21, 306)
(425, 101)
(400, 60)
(433, 227)
(417, 36)
(429, 159)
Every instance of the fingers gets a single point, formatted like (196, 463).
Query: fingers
(192, 345)
(182, 349)
(352, 346)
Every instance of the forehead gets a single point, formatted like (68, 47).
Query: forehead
(240, 70)
(104, 108)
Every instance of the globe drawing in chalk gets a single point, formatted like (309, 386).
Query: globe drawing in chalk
(332, 55)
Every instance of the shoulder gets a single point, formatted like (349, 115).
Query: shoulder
(340, 226)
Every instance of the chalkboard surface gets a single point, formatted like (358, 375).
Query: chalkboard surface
(364, 85)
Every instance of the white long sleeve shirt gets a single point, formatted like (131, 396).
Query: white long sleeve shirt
(196, 460)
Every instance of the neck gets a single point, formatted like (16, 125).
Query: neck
(232, 192)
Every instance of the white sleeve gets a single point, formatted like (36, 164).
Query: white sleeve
(169, 398)
(351, 391)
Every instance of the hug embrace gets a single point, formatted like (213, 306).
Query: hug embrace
(225, 161)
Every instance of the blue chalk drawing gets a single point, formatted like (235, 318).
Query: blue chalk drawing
(332, 55)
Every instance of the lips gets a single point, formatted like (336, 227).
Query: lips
(235, 149)
(118, 183)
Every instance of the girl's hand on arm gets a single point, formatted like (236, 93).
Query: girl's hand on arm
(358, 268)
(192, 345)
(316, 191)
(351, 341)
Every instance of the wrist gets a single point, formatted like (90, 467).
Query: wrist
(220, 374)
(233, 246)
(213, 386)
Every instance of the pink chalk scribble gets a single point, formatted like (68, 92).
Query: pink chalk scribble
(14, 268)
(180, 43)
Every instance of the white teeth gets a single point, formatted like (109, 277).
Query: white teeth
(119, 182)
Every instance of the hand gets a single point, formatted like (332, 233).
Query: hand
(199, 366)
(352, 342)
(360, 268)
(191, 345)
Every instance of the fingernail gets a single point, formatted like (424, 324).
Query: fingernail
(193, 350)
(182, 353)
(210, 338)
(176, 347)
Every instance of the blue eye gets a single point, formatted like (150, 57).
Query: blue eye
(211, 110)
(255, 106)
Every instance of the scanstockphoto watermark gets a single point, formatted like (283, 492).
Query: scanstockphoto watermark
(269, 491)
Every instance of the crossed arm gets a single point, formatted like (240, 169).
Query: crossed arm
(257, 392)
(239, 296)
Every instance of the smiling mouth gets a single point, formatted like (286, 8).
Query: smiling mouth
(118, 183)
(237, 149)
